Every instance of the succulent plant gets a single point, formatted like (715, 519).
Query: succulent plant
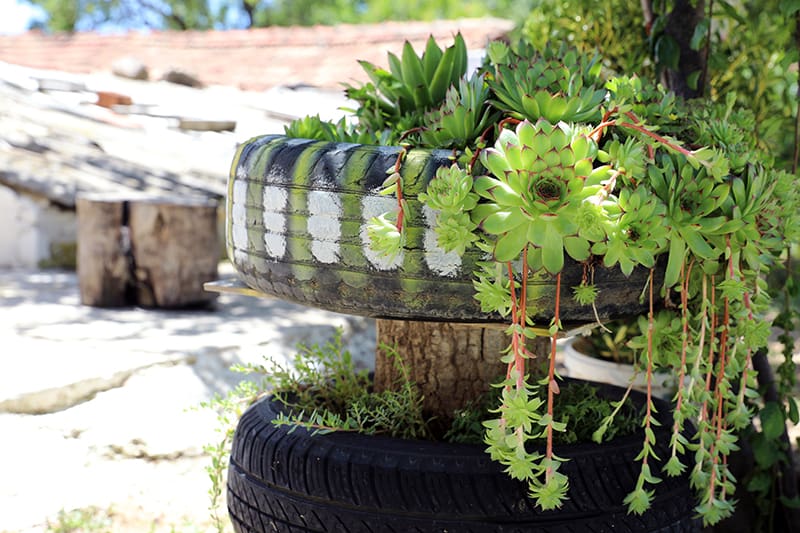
(692, 196)
(753, 204)
(591, 169)
(541, 174)
(554, 85)
(313, 127)
(450, 194)
(398, 98)
(637, 232)
(721, 126)
(644, 99)
(461, 118)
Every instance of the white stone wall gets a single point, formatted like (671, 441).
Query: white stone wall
(28, 228)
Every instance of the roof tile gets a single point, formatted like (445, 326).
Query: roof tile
(254, 59)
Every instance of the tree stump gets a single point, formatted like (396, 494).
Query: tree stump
(153, 251)
(451, 363)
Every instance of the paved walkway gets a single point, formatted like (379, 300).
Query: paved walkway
(95, 404)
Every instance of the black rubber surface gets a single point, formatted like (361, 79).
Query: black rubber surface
(294, 482)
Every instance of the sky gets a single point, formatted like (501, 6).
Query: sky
(15, 16)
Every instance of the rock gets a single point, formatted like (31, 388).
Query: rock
(200, 124)
(181, 77)
(131, 68)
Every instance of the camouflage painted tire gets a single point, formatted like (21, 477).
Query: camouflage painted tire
(297, 213)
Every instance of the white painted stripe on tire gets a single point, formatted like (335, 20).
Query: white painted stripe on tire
(324, 225)
(274, 200)
(239, 215)
(439, 261)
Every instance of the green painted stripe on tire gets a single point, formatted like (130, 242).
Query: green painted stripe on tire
(335, 270)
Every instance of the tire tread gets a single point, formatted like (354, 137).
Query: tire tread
(281, 481)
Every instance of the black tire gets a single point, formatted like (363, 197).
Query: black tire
(291, 481)
(296, 228)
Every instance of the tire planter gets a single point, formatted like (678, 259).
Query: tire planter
(297, 213)
(290, 481)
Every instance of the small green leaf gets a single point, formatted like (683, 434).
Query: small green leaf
(789, 7)
(431, 57)
(674, 467)
(761, 481)
(793, 503)
(413, 75)
(667, 52)
(553, 250)
(700, 33)
(794, 416)
(638, 501)
(693, 80)
(677, 249)
(503, 221)
(391, 179)
(697, 243)
(764, 451)
(772, 420)
(509, 246)
(577, 248)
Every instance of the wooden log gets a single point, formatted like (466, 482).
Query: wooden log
(175, 248)
(142, 249)
(104, 274)
(451, 363)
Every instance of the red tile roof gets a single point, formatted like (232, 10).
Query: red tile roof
(253, 59)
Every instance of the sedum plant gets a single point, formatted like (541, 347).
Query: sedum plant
(554, 163)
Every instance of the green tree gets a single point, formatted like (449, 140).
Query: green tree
(72, 15)
(82, 15)
(61, 16)
(714, 48)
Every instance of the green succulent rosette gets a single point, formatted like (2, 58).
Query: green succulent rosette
(554, 85)
(637, 232)
(542, 175)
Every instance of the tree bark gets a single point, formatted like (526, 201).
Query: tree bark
(175, 246)
(104, 274)
(796, 152)
(451, 363)
(681, 24)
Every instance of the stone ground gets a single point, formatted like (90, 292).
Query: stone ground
(96, 405)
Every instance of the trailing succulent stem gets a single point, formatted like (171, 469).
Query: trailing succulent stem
(520, 420)
(640, 499)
